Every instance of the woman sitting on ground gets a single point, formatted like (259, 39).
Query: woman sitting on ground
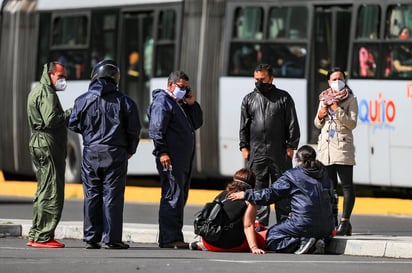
(309, 190)
(241, 238)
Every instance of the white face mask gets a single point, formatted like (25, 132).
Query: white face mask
(179, 92)
(61, 85)
(337, 85)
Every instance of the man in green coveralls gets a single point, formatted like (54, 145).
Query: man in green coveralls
(48, 142)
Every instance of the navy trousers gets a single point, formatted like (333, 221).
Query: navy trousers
(175, 191)
(104, 179)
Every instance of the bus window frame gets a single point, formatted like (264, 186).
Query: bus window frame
(60, 14)
(266, 7)
(178, 8)
(382, 43)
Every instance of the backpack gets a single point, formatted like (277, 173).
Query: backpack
(211, 221)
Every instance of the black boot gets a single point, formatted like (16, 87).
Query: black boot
(344, 229)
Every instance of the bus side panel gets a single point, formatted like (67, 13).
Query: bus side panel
(16, 74)
(400, 175)
(385, 109)
(201, 58)
(232, 91)
(143, 161)
(361, 172)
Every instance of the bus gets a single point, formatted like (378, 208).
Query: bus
(217, 43)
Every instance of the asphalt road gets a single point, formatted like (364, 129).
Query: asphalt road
(146, 258)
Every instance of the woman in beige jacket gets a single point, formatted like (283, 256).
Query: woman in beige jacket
(337, 117)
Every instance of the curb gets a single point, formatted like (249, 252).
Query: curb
(373, 246)
(10, 230)
(356, 245)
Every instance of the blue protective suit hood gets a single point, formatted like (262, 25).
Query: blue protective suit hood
(102, 87)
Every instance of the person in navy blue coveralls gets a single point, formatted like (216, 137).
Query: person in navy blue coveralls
(310, 192)
(110, 126)
(174, 115)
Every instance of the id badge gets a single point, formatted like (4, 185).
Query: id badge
(331, 133)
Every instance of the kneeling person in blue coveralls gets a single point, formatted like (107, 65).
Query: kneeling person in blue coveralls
(110, 126)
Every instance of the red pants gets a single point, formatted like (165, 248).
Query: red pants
(244, 247)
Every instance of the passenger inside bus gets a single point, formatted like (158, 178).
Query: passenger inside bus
(294, 65)
(402, 56)
(367, 65)
(245, 59)
(287, 61)
(133, 64)
(74, 62)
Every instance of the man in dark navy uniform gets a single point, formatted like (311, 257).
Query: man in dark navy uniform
(174, 115)
(109, 123)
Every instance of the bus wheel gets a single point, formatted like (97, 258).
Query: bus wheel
(73, 159)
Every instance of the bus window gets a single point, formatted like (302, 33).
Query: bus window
(248, 23)
(364, 61)
(401, 59)
(245, 57)
(282, 46)
(69, 31)
(288, 22)
(398, 16)
(398, 28)
(167, 22)
(368, 22)
(43, 45)
(287, 60)
(69, 42)
(165, 46)
(103, 37)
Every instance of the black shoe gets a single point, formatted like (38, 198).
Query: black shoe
(344, 229)
(177, 244)
(193, 245)
(92, 245)
(305, 245)
(119, 245)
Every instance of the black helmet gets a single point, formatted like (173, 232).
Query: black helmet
(106, 69)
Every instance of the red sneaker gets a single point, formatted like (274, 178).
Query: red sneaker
(259, 226)
(50, 244)
(29, 243)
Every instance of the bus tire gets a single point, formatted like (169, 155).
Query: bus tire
(73, 159)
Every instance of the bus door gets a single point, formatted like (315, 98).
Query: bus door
(136, 60)
(330, 45)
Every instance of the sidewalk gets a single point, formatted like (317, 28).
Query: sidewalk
(362, 245)
(358, 245)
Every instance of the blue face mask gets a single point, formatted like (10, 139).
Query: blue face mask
(179, 92)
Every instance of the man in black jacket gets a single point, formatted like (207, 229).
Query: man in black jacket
(269, 133)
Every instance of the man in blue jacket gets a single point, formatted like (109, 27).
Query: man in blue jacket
(109, 123)
(174, 115)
